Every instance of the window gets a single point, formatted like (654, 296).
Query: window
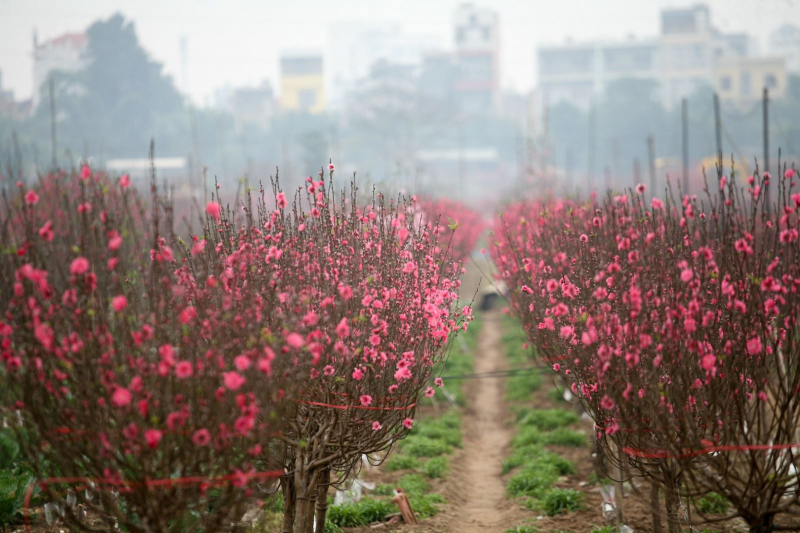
(745, 84)
(306, 99)
(725, 83)
(770, 82)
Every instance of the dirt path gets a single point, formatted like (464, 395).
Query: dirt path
(486, 438)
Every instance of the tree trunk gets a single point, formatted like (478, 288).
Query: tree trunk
(288, 504)
(322, 499)
(655, 507)
(312, 507)
(301, 480)
(673, 522)
(763, 524)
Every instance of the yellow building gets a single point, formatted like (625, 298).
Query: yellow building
(741, 80)
(302, 83)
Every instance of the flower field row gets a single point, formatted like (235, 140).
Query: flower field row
(162, 380)
(674, 320)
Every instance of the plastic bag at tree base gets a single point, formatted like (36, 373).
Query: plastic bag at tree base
(72, 499)
(52, 512)
(609, 505)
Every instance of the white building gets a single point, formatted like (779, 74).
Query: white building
(785, 41)
(477, 52)
(682, 59)
(577, 72)
(64, 53)
(354, 48)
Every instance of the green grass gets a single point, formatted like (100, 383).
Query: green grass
(538, 457)
(419, 446)
(604, 529)
(546, 419)
(558, 501)
(384, 489)
(446, 429)
(361, 513)
(531, 481)
(523, 529)
(564, 437)
(712, 503)
(437, 467)
(401, 462)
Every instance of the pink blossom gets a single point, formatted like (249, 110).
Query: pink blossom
(708, 361)
(79, 266)
(119, 303)
(566, 332)
(430, 392)
(295, 340)
(408, 423)
(233, 380)
(526, 289)
(409, 267)
(657, 204)
(640, 188)
(184, 370)
(358, 374)
(280, 198)
(31, 198)
(345, 292)
(125, 181)
(376, 426)
(342, 329)
(438, 382)
(214, 210)
(201, 437)
(686, 275)
(86, 172)
(242, 363)
(152, 437)
(606, 403)
(365, 400)
(789, 174)
(402, 373)
(198, 247)
(46, 231)
(754, 346)
(556, 367)
(121, 397)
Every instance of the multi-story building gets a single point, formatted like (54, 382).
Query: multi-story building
(66, 53)
(477, 44)
(354, 48)
(302, 83)
(252, 105)
(681, 59)
(785, 41)
(741, 80)
(576, 72)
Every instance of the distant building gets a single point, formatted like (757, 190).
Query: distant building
(689, 49)
(577, 72)
(741, 80)
(477, 51)
(785, 41)
(681, 59)
(252, 105)
(302, 83)
(353, 49)
(65, 53)
(9, 107)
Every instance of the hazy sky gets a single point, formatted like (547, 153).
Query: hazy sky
(237, 42)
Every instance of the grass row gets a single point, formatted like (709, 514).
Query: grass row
(424, 455)
(534, 469)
